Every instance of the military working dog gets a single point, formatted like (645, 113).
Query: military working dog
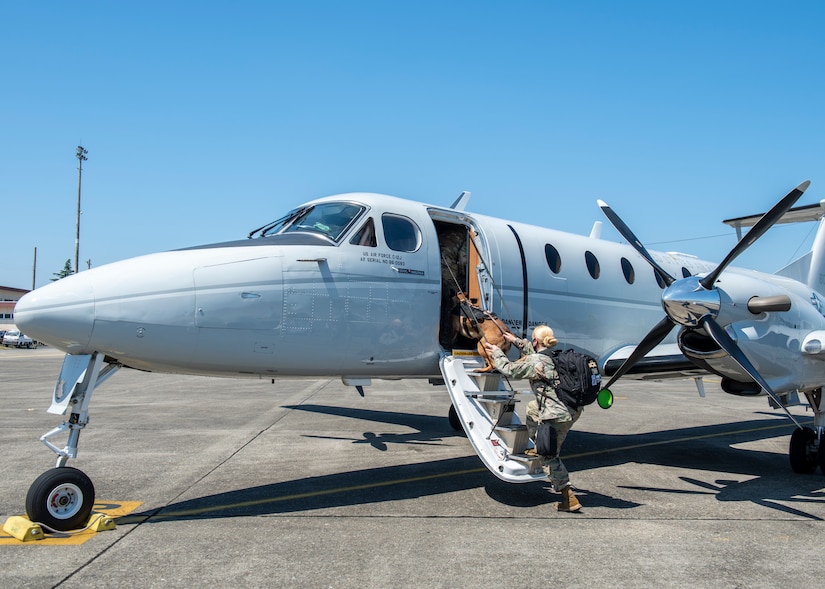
(475, 323)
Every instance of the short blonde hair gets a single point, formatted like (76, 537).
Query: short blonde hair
(545, 335)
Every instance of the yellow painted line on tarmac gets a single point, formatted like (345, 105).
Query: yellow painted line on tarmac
(121, 509)
(312, 494)
(112, 509)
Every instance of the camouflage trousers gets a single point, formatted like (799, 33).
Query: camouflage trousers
(562, 418)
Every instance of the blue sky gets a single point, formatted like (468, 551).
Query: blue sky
(204, 120)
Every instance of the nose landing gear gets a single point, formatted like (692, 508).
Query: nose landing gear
(61, 498)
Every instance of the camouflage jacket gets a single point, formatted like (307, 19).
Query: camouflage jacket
(538, 368)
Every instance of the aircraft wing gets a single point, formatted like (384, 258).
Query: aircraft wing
(663, 361)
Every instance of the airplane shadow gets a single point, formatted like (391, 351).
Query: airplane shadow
(707, 448)
(767, 478)
(422, 424)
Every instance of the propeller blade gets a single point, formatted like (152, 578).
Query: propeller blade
(721, 337)
(650, 341)
(765, 223)
(625, 232)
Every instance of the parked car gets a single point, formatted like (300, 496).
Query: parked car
(16, 338)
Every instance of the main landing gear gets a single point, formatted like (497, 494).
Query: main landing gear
(807, 447)
(61, 498)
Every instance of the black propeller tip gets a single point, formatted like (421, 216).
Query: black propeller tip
(633, 241)
(766, 222)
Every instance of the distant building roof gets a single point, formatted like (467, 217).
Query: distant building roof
(11, 290)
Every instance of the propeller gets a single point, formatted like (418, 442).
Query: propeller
(762, 225)
(631, 238)
(694, 302)
(721, 337)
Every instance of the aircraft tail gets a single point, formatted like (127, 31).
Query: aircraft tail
(810, 268)
(798, 270)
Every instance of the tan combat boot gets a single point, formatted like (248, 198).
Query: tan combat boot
(569, 502)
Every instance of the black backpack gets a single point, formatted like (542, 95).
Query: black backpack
(579, 378)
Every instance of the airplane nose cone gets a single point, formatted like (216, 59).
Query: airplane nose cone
(60, 314)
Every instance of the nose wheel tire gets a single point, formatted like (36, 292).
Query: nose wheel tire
(61, 499)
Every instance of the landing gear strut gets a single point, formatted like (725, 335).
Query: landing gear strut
(62, 498)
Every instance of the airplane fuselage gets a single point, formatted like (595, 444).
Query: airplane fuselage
(324, 300)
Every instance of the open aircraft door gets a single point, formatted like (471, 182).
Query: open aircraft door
(481, 279)
(466, 267)
(481, 404)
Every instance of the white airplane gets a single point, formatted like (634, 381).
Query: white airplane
(375, 275)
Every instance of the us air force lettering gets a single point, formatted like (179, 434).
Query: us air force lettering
(382, 274)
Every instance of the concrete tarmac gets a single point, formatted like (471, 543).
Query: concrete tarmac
(303, 483)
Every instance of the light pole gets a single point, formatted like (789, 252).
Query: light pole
(81, 156)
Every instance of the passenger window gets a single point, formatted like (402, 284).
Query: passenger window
(592, 264)
(366, 235)
(553, 258)
(401, 234)
(659, 280)
(628, 271)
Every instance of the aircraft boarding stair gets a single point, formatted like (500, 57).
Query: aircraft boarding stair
(487, 412)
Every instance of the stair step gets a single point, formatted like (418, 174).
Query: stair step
(533, 463)
(514, 437)
(486, 381)
(472, 362)
(525, 457)
(491, 397)
(515, 427)
(501, 409)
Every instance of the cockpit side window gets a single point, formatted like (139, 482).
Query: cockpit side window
(401, 234)
(366, 235)
(331, 219)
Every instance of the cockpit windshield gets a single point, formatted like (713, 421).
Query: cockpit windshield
(331, 219)
(275, 226)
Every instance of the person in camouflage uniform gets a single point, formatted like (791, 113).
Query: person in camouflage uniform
(539, 369)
